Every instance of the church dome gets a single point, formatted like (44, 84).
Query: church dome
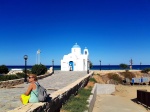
(76, 46)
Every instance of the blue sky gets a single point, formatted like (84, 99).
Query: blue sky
(114, 31)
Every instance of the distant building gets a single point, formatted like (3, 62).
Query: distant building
(15, 71)
(75, 61)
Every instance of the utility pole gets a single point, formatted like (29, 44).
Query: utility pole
(140, 65)
(100, 65)
(38, 56)
(131, 62)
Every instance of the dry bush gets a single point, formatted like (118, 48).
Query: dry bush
(115, 77)
(129, 75)
(98, 79)
(105, 78)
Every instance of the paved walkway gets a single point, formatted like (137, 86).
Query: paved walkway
(110, 103)
(9, 98)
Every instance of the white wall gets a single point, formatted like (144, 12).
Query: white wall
(77, 59)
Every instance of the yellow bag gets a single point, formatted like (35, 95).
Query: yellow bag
(25, 99)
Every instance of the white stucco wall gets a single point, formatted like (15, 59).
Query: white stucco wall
(77, 60)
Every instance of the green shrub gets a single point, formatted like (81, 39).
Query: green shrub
(1, 78)
(20, 75)
(146, 70)
(3, 69)
(124, 66)
(39, 69)
(91, 65)
(92, 80)
(78, 103)
(8, 77)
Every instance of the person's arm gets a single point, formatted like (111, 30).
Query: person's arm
(29, 90)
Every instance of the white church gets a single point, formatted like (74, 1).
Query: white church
(75, 61)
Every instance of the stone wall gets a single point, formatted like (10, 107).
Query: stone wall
(10, 83)
(58, 98)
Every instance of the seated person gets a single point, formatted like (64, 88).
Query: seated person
(32, 89)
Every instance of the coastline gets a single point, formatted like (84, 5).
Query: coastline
(95, 67)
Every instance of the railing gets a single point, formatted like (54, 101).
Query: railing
(142, 80)
(143, 97)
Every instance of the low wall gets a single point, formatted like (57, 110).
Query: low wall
(91, 100)
(105, 88)
(9, 83)
(58, 98)
(99, 89)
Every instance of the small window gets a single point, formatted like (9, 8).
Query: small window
(74, 50)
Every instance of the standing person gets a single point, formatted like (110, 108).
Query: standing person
(70, 67)
(32, 91)
(142, 80)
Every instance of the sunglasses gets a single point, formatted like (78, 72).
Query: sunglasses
(30, 77)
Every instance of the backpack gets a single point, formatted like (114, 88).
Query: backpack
(42, 93)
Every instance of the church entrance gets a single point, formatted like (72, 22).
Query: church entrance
(71, 66)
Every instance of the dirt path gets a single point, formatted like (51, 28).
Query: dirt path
(111, 103)
(122, 99)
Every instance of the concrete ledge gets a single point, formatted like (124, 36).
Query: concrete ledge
(91, 100)
(105, 88)
(97, 90)
(58, 98)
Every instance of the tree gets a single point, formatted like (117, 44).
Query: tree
(91, 65)
(39, 69)
(3, 69)
(124, 66)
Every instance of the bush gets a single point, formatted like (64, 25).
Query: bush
(115, 77)
(146, 70)
(39, 69)
(20, 75)
(3, 69)
(124, 66)
(11, 77)
(93, 80)
(78, 103)
(8, 77)
(129, 75)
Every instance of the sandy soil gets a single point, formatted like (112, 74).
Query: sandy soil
(129, 91)
(126, 91)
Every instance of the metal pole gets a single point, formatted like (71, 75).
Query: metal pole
(140, 65)
(25, 79)
(87, 66)
(39, 59)
(100, 65)
(53, 65)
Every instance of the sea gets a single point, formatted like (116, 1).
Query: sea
(95, 67)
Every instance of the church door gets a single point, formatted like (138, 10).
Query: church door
(71, 66)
